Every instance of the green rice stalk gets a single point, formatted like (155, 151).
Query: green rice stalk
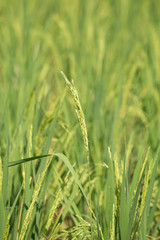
(143, 198)
(6, 232)
(82, 122)
(99, 226)
(112, 231)
(28, 106)
(58, 199)
(22, 156)
(34, 198)
(143, 167)
(30, 140)
(82, 230)
(55, 205)
(54, 232)
(78, 110)
(145, 188)
(1, 175)
(144, 164)
(144, 193)
(146, 182)
(118, 174)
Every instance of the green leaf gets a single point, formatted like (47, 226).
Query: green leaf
(25, 160)
(68, 164)
(63, 158)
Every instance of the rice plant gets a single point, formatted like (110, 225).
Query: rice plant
(79, 120)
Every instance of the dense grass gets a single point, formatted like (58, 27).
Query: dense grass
(112, 51)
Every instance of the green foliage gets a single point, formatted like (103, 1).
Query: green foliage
(91, 177)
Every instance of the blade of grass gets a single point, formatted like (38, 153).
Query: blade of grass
(25, 160)
(68, 164)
